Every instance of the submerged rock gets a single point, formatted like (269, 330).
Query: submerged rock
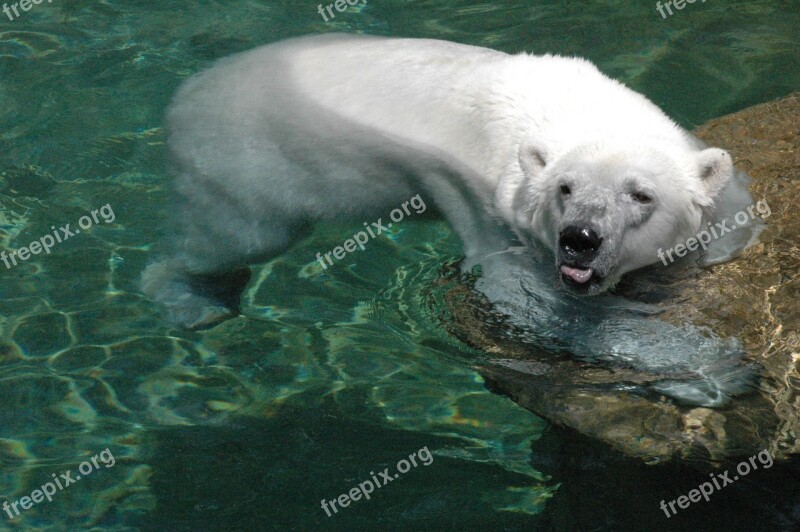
(753, 298)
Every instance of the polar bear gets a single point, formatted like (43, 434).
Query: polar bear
(516, 151)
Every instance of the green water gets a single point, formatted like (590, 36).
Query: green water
(329, 375)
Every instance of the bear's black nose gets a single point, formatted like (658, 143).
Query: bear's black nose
(579, 244)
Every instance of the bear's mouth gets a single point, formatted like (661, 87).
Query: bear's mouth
(580, 280)
(577, 274)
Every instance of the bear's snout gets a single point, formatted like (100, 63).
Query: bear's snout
(579, 244)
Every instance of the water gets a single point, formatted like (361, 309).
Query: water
(330, 375)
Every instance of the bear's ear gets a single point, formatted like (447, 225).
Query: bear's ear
(716, 169)
(532, 158)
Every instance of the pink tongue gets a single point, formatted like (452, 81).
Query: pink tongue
(576, 274)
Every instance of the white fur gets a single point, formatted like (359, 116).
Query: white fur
(350, 126)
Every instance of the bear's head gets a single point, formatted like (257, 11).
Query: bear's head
(609, 207)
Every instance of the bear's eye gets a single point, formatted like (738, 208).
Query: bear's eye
(641, 197)
(565, 190)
